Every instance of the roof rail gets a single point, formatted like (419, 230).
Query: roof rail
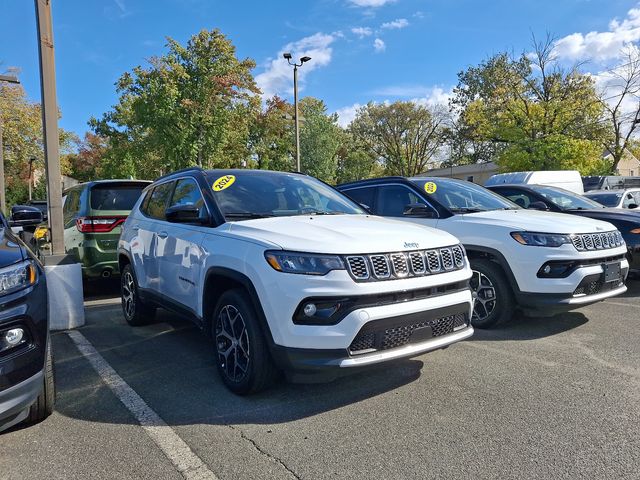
(182, 170)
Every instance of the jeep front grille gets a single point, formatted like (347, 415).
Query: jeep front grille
(597, 241)
(396, 265)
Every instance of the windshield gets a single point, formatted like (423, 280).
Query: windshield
(566, 200)
(606, 199)
(463, 197)
(253, 194)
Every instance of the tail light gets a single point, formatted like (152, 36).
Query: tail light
(98, 224)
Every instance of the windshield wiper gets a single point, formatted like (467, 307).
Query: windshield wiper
(248, 215)
(467, 210)
(320, 212)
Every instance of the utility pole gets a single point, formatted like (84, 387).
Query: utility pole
(287, 57)
(3, 199)
(50, 124)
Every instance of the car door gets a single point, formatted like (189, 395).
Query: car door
(391, 201)
(181, 259)
(151, 243)
(71, 207)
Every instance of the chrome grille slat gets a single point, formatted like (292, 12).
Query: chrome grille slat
(380, 266)
(396, 265)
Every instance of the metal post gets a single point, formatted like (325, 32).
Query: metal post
(50, 124)
(3, 200)
(295, 102)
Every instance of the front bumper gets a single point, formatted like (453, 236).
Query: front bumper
(16, 401)
(382, 340)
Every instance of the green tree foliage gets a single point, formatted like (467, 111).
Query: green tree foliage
(22, 138)
(528, 113)
(403, 136)
(271, 137)
(320, 138)
(191, 106)
(355, 160)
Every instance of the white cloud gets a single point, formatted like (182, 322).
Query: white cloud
(347, 114)
(426, 95)
(362, 31)
(601, 46)
(277, 77)
(379, 45)
(370, 3)
(396, 24)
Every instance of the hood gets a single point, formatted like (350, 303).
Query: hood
(10, 250)
(341, 234)
(536, 221)
(610, 214)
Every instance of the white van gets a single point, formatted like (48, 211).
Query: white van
(567, 179)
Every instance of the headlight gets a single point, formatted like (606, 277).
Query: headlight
(540, 239)
(304, 263)
(17, 277)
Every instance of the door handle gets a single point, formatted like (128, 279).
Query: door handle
(163, 235)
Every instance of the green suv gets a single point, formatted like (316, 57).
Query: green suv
(93, 213)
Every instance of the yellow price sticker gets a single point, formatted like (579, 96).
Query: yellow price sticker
(430, 187)
(223, 182)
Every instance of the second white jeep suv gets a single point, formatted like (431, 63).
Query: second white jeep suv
(286, 273)
(541, 262)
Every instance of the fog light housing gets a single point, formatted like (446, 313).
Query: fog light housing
(13, 338)
(322, 311)
(557, 269)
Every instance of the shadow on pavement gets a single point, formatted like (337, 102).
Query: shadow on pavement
(531, 328)
(170, 365)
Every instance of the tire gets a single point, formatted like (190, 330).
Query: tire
(43, 406)
(135, 311)
(242, 354)
(494, 301)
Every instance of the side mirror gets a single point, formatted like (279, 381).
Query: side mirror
(538, 206)
(183, 214)
(418, 210)
(632, 206)
(25, 216)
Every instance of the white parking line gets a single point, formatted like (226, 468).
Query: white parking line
(188, 464)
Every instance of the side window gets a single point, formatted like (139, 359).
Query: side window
(158, 200)
(71, 207)
(187, 192)
(519, 197)
(636, 196)
(393, 199)
(364, 196)
(628, 200)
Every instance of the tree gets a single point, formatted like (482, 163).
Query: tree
(86, 163)
(355, 160)
(189, 107)
(22, 138)
(404, 136)
(621, 101)
(271, 139)
(319, 140)
(530, 114)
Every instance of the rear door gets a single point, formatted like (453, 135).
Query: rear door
(151, 246)
(181, 258)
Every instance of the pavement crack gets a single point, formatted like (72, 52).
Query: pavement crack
(263, 452)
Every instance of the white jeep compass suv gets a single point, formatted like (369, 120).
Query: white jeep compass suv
(541, 262)
(285, 272)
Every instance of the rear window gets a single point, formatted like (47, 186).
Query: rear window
(115, 197)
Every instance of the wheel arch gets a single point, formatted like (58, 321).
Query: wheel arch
(478, 251)
(221, 279)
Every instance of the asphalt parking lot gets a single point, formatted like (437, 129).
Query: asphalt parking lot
(537, 398)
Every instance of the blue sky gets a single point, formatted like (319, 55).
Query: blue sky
(361, 50)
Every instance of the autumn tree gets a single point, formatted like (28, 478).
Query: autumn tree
(271, 139)
(528, 113)
(21, 121)
(190, 106)
(404, 136)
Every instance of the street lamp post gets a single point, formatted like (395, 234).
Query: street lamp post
(3, 200)
(287, 57)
